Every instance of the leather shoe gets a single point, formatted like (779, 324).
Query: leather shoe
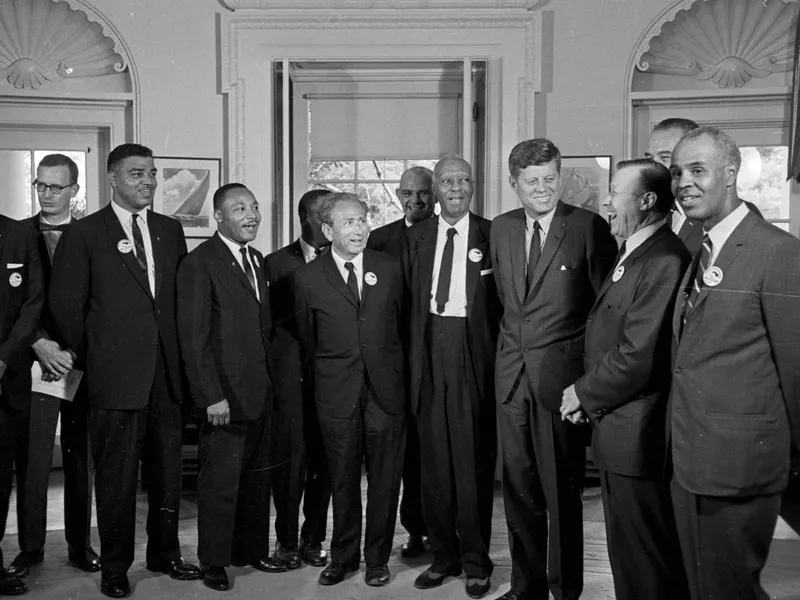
(11, 586)
(377, 575)
(430, 579)
(313, 554)
(335, 572)
(115, 585)
(413, 547)
(22, 564)
(177, 569)
(216, 578)
(289, 558)
(478, 588)
(85, 559)
(268, 565)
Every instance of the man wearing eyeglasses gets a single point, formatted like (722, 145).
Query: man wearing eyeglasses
(56, 185)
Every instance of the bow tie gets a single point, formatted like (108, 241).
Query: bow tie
(48, 227)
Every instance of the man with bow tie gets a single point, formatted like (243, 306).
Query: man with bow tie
(56, 185)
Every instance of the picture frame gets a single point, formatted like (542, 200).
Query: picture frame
(185, 191)
(586, 180)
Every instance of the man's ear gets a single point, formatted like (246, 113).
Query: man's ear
(327, 231)
(647, 201)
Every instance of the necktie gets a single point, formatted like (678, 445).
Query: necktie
(248, 270)
(533, 254)
(138, 243)
(351, 281)
(701, 263)
(445, 272)
(48, 227)
(620, 254)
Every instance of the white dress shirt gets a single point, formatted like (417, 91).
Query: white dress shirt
(236, 250)
(309, 252)
(638, 238)
(544, 224)
(358, 263)
(457, 300)
(720, 233)
(126, 220)
(678, 217)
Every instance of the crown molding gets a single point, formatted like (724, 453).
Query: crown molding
(236, 5)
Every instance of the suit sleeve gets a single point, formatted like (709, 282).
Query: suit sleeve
(69, 289)
(493, 236)
(22, 332)
(194, 333)
(182, 249)
(303, 316)
(626, 370)
(601, 252)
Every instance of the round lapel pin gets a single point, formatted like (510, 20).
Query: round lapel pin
(15, 280)
(475, 255)
(370, 278)
(618, 273)
(124, 246)
(712, 277)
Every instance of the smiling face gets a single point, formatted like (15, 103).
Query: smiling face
(133, 182)
(661, 144)
(453, 187)
(56, 206)
(416, 195)
(538, 187)
(626, 205)
(348, 231)
(238, 217)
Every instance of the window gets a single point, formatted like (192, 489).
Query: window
(762, 181)
(374, 181)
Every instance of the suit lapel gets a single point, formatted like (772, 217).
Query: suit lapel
(558, 228)
(680, 301)
(158, 248)
(686, 229)
(117, 234)
(426, 253)
(335, 277)
(518, 260)
(368, 267)
(232, 263)
(475, 241)
(258, 273)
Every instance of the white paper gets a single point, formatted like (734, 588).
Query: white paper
(64, 388)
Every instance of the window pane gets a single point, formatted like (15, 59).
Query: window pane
(15, 173)
(371, 170)
(383, 208)
(332, 169)
(762, 179)
(393, 169)
(429, 163)
(335, 187)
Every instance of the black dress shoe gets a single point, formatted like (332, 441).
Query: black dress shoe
(268, 565)
(115, 585)
(289, 558)
(85, 559)
(414, 547)
(177, 569)
(478, 588)
(216, 578)
(11, 586)
(430, 579)
(314, 555)
(377, 575)
(335, 572)
(22, 564)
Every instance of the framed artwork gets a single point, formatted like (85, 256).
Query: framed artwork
(585, 180)
(185, 190)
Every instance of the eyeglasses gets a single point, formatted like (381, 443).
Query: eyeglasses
(56, 189)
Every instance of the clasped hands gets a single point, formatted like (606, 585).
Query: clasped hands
(571, 409)
(56, 363)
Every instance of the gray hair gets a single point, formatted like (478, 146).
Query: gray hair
(726, 148)
(329, 202)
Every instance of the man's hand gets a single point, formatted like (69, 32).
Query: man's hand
(219, 413)
(571, 406)
(53, 359)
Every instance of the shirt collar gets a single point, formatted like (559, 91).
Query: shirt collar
(66, 221)
(309, 252)
(358, 261)
(720, 233)
(124, 215)
(235, 247)
(639, 237)
(408, 223)
(544, 222)
(462, 227)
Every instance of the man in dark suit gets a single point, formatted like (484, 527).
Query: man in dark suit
(112, 298)
(223, 314)
(625, 388)
(455, 314)
(663, 138)
(415, 194)
(300, 471)
(348, 307)
(550, 260)
(56, 185)
(21, 301)
(735, 400)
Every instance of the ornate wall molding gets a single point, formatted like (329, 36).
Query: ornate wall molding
(377, 4)
(727, 42)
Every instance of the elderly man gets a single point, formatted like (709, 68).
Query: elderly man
(348, 306)
(735, 401)
(625, 388)
(550, 260)
(455, 315)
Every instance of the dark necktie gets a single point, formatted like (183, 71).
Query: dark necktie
(52, 234)
(351, 281)
(48, 227)
(620, 254)
(445, 272)
(248, 270)
(700, 265)
(533, 254)
(138, 243)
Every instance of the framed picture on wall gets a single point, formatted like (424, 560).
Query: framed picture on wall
(585, 181)
(185, 190)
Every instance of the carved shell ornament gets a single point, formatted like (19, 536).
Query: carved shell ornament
(728, 42)
(42, 40)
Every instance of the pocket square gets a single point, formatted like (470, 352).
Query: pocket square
(486, 272)
(14, 266)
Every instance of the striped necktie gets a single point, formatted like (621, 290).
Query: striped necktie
(702, 261)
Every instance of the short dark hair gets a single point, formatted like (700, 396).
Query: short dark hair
(123, 151)
(653, 177)
(222, 191)
(679, 123)
(535, 152)
(307, 199)
(61, 160)
(330, 201)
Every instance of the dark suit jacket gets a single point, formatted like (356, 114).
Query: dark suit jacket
(46, 321)
(628, 341)
(735, 393)
(388, 238)
(103, 309)
(543, 330)
(223, 330)
(483, 305)
(343, 339)
(21, 305)
(691, 233)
